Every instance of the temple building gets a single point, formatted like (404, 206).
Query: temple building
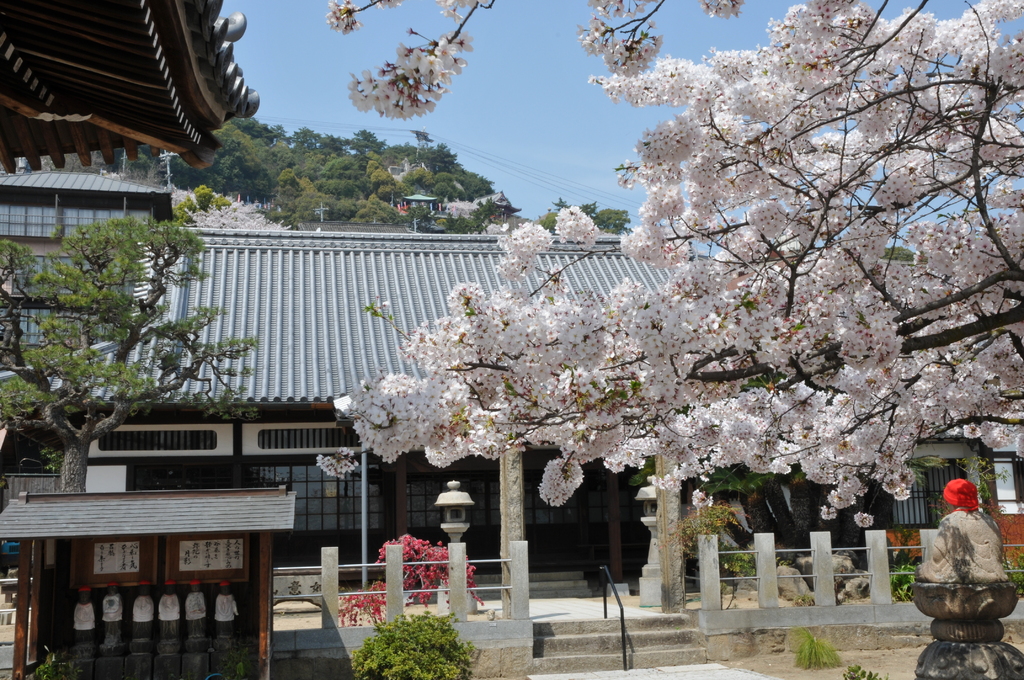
(303, 295)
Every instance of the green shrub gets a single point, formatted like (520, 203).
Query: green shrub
(805, 600)
(57, 666)
(815, 653)
(901, 583)
(858, 673)
(422, 647)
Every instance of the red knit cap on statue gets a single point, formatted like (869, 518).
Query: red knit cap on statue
(961, 493)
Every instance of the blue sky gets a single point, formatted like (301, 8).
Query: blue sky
(522, 113)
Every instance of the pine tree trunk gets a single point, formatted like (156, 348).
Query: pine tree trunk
(74, 467)
(803, 512)
(783, 516)
(759, 517)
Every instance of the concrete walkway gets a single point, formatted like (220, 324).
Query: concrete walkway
(706, 671)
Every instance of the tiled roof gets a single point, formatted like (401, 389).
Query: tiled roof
(303, 296)
(355, 227)
(75, 181)
(147, 513)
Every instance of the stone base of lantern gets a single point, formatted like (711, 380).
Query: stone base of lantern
(945, 660)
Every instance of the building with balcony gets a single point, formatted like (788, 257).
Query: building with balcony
(37, 208)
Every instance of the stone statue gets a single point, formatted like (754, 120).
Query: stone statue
(113, 612)
(962, 585)
(169, 613)
(142, 620)
(195, 619)
(85, 625)
(969, 548)
(224, 613)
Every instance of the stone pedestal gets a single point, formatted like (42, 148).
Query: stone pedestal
(85, 668)
(967, 632)
(943, 660)
(197, 645)
(167, 667)
(109, 668)
(650, 575)
(141, 646)
(139, 666)
(195, 665)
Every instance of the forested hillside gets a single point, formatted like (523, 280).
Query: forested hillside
(297, 173)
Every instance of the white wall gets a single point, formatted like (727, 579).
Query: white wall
(100, 478)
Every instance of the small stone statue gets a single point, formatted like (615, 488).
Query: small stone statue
(142, 620)
(962, 585)
(169, 613)
(113, 612)
(85, 625)
(195, 619)
(225, 611)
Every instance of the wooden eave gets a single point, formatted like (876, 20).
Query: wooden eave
(108, 74)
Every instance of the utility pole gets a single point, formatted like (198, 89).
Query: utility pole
(321, 210)
(166, 157)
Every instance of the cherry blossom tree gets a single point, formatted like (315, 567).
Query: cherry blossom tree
(778, 186)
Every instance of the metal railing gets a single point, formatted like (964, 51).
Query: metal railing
(606, 576)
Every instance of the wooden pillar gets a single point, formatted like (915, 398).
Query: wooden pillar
(265, 589)
(21, 614)
(33, 621)
(614, 527)
(512, 525)
(401, 497)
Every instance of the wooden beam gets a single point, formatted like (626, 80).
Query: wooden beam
(37, 579)
(29, 147)
(81, 145)
(154, 150)
(265, 602)
(53, 147)
(131, 147)
(21, 613)
(6, 155)
(106, 148)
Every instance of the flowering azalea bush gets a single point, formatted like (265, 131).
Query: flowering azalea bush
(360, 610)
(779, 187)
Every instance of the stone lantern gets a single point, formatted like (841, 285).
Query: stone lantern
(650, 577)
(454, 505)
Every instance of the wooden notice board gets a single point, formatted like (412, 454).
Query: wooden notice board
(124, 560)
(208, 557)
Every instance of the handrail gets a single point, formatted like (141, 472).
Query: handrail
(607, 576)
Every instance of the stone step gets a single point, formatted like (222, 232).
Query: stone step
(536, 577)
(589, 663)
(668, 622)
(611, 643)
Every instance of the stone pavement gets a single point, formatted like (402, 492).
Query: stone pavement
(706, 671)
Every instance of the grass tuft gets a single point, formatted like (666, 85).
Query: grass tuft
(815, 653)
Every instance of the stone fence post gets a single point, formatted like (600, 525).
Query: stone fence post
(878, 566)
(457, 596)
(519, 573)
(927, 541)
(329, 587)
(393, 577)
(710, 583)
(824, 573)
(767, 573)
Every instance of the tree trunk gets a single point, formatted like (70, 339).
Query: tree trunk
(880, 505)
(803, 512)
(783, 516)
(851, 534)
(74, 466)
(759, 517)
